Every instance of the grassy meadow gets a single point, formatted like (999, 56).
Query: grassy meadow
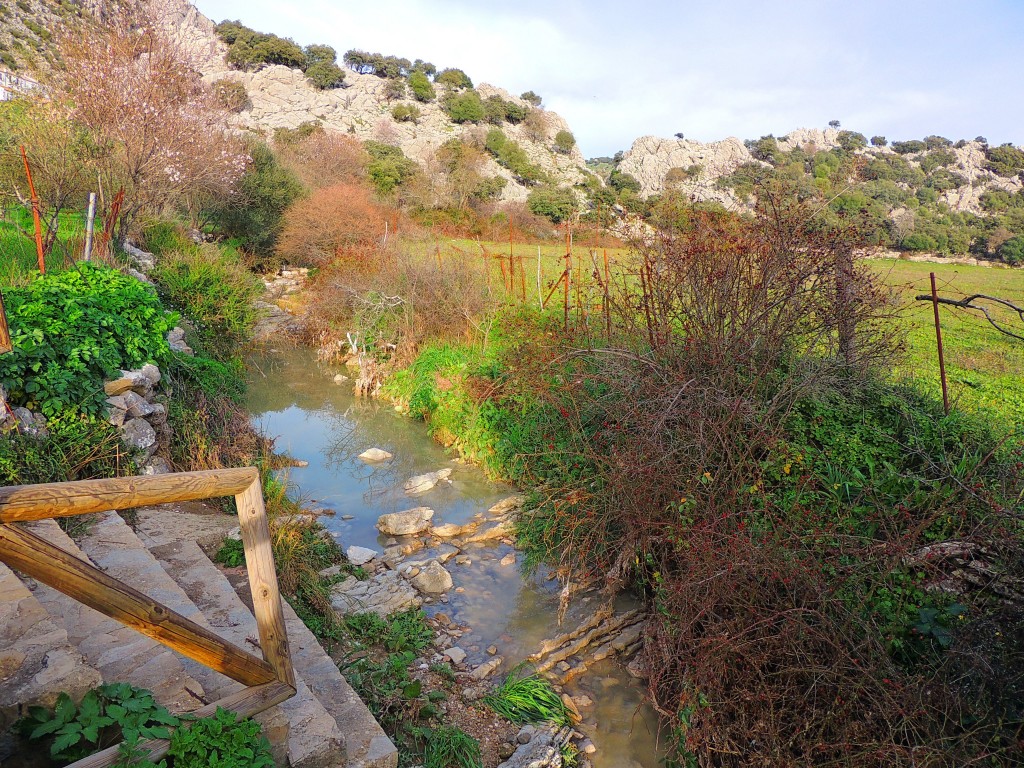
(984, 368)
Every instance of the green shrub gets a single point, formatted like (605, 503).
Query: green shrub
(465, 107)
(221, 741)
(908, 147)
(1012, 251)
(252, 216)
(851, 140)
(73, 330)
(1005, 160)
(104, 716)
(564, 141)
(529, 699)
(554, 203)
(325, 75)
(406, 113)
(421, 88)
(918, 241)
(215, 290)
(74, 449)
(878, 141)
(453, 78)
(388, 167)
(450, 747)
(511, 155)
(531, 97)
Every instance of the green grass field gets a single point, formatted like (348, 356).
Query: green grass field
(18, 248)
(985, 368)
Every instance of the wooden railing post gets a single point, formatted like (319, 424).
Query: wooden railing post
(266, 597)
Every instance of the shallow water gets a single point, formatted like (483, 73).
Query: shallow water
(295, 400)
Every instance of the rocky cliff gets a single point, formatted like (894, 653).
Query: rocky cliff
(283, 98)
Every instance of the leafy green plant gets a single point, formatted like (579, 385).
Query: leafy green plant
(405, 631)
(231, 553)
(450, 747)
(105, 715)
(529, 699)
(74, 449)
(72, 330)
(221, 741)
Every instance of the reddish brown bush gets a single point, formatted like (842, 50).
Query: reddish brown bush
(339, 224)
(325, 159)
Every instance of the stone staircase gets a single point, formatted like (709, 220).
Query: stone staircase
(50, 643)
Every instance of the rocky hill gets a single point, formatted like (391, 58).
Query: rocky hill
(283, 97)
(704, 168)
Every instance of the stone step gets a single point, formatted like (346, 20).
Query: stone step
(119, 653)
(368, 745)
(37, 662)
(165, 528)
(315, 739)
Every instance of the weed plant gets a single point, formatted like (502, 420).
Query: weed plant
(450, 747)
(527, 699)
(214, 289)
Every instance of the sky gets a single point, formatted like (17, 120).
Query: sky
(618, 70)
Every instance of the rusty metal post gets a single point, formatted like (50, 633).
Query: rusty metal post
(5, 333)
(938, 339)
(35, 212)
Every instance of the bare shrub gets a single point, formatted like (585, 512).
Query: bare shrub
(672, 442)
(325, 159)
(341, 224)
(407, 299)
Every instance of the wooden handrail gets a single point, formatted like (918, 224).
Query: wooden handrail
(38, 502)
(45, 562)
(271, 679)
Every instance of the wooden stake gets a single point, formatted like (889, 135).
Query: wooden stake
(35, 212)
(938, 340)
(89, 223)
(540, 296)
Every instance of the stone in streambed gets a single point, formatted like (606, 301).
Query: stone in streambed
(360, 555)
(423, 483)
(432, 579)
(375, 454)
(405, 523)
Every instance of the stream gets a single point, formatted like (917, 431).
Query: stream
(296, 400)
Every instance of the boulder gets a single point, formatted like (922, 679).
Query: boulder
(176, 341)
(383, 594)
(405, 523)
(136, 405)
(447, 531)
(423, 483)
(31, 424)
(374, 454)
(455, 655)
(506, 505)
(156, 466)
(432, 579)
(486, 668)
(139, 434)
(360, 555)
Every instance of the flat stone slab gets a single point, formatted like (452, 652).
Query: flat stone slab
(360, 555)
(406, 522)
(384, 594)
(423, 483)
